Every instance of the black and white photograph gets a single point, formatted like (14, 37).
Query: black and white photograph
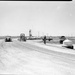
(37, 37)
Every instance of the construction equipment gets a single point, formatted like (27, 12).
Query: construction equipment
(22, 37)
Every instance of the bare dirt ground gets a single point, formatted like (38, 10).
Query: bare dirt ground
(29, 58)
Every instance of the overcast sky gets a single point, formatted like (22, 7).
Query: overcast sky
(50, 18)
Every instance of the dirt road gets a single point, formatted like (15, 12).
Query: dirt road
(26, 58)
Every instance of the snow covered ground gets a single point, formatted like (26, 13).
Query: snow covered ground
(31, 58)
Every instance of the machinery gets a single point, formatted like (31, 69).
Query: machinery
(22, 37)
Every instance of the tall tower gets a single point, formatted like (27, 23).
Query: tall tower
(30, 33)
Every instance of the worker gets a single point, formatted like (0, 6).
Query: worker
(44, 39)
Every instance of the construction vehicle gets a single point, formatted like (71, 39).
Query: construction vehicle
(22, 37)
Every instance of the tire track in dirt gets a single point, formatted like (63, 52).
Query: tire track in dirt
(67, 58)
